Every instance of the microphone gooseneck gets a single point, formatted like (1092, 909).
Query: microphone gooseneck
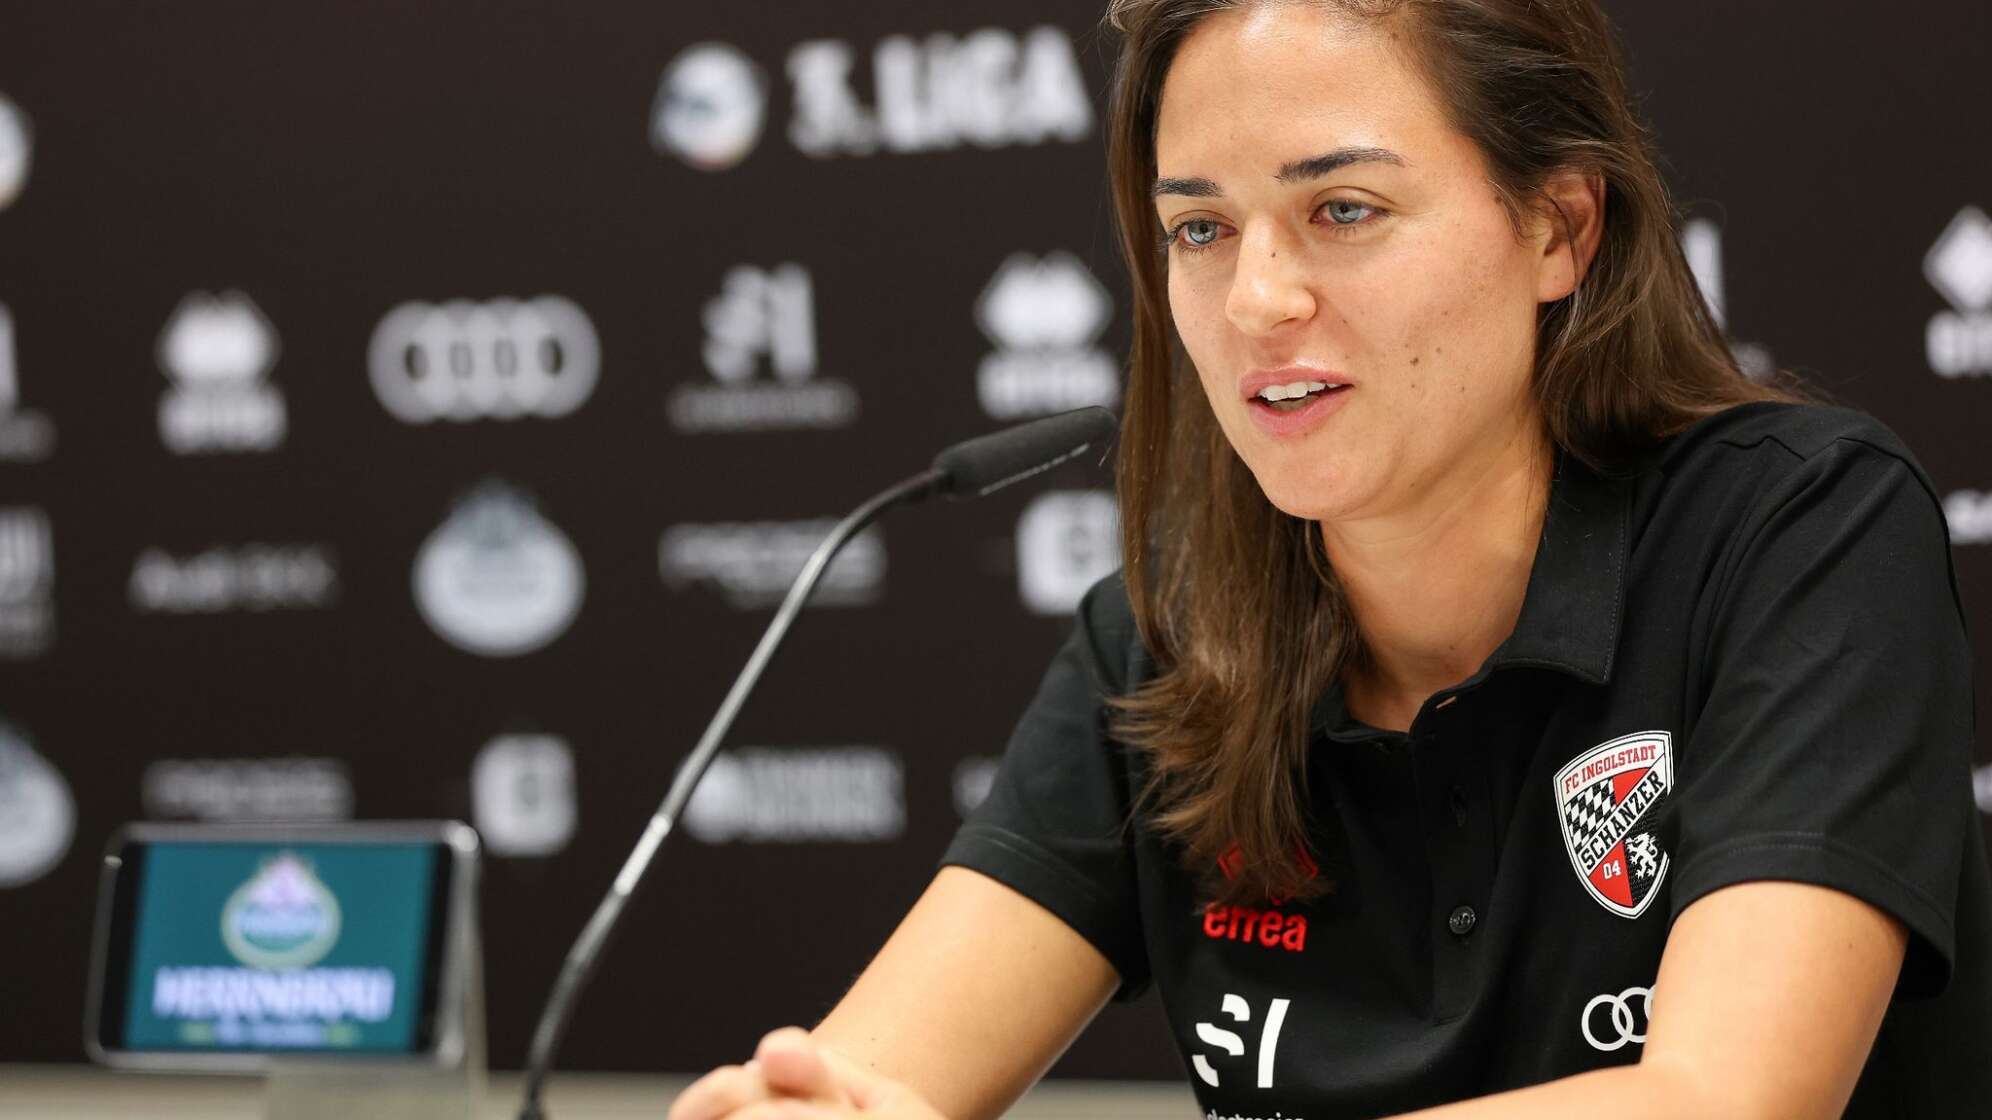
(969, 469)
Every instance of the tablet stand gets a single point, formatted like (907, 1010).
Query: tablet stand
(448, 1088)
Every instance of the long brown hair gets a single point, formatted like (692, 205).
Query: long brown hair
(1235, 599)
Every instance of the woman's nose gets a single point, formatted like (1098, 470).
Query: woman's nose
(1269, 286)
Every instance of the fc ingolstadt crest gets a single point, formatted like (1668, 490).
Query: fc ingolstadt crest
(1607, 799)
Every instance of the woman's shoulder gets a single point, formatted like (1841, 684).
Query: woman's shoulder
(1761, 435)
(1780, 465)
(1106, 625)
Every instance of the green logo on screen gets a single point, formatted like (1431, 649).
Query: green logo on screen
(282, 918)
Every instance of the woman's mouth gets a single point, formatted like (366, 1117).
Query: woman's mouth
(1294, 395)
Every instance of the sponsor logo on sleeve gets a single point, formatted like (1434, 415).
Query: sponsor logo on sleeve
(709, 107)
(1959, 266)
(497, 578)
(26, 436)
(218, 351)
(1607, 801)
(501, 359)
(37, 813)
(16, 151)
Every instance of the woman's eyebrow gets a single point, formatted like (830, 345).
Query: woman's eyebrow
(1315, 167)
(1294, 171)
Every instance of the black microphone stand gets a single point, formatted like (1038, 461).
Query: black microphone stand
(587, 949)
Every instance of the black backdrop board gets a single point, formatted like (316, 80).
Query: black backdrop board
(739, 265)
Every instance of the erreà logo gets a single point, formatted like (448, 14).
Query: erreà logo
(1268, 928)
(1959, 266)
(282, 918)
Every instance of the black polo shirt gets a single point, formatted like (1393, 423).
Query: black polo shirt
(1741, 657)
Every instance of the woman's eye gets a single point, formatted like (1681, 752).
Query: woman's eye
(1199, 232)
(1343, 212)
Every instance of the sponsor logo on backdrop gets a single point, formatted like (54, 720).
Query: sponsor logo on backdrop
(37, 813)
(282, 918)
(501, 359)
(752, 563)
(248, 789)
(974, 777)
(218, 351)
(522, 793)
(1045, 315)
(497, 578)
(1239, 1011)
(1969, 513)
(16, 151)
(1981, 788)
(762, 318)
(278, 924)
(1608, 799)
(25, 436)
(1960, 267)
(795, 795)
(1701, 241)
(27, 582)
(709, 108)
(250, 577)
(1067, 540)
(989, 88)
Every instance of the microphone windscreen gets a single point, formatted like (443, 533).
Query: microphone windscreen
(988, 463)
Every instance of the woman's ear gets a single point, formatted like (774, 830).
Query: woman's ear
(1573, 220)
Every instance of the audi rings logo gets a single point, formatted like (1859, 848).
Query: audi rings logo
(1609, 1031)
(500, 360)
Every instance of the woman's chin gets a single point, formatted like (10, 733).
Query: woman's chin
(1312, 490)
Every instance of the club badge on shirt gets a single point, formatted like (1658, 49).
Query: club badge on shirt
(1607, 799)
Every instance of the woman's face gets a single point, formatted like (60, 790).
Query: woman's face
(1332, 229)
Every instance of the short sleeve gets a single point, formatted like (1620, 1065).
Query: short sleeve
(1834, 744)
(1054, 826)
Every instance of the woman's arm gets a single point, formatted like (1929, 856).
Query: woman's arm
(973, 997)
(1767, 1003)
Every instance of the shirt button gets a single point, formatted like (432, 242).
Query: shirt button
(1462, 920)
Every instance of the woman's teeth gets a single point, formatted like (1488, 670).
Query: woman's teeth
(1288, 397)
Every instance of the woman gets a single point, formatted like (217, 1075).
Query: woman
(1505, 702)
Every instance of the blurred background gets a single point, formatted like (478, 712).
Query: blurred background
(416, 410)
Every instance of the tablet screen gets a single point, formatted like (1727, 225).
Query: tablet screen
(266, 947)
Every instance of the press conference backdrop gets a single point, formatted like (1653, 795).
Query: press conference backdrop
(415, 410)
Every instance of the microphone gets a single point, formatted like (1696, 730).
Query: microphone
(970, 469)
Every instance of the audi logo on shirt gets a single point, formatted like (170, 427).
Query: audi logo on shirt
(501, 359)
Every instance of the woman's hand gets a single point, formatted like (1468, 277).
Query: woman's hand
(793, 1077)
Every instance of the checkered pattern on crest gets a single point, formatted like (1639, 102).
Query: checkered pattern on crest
(1588, 810)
